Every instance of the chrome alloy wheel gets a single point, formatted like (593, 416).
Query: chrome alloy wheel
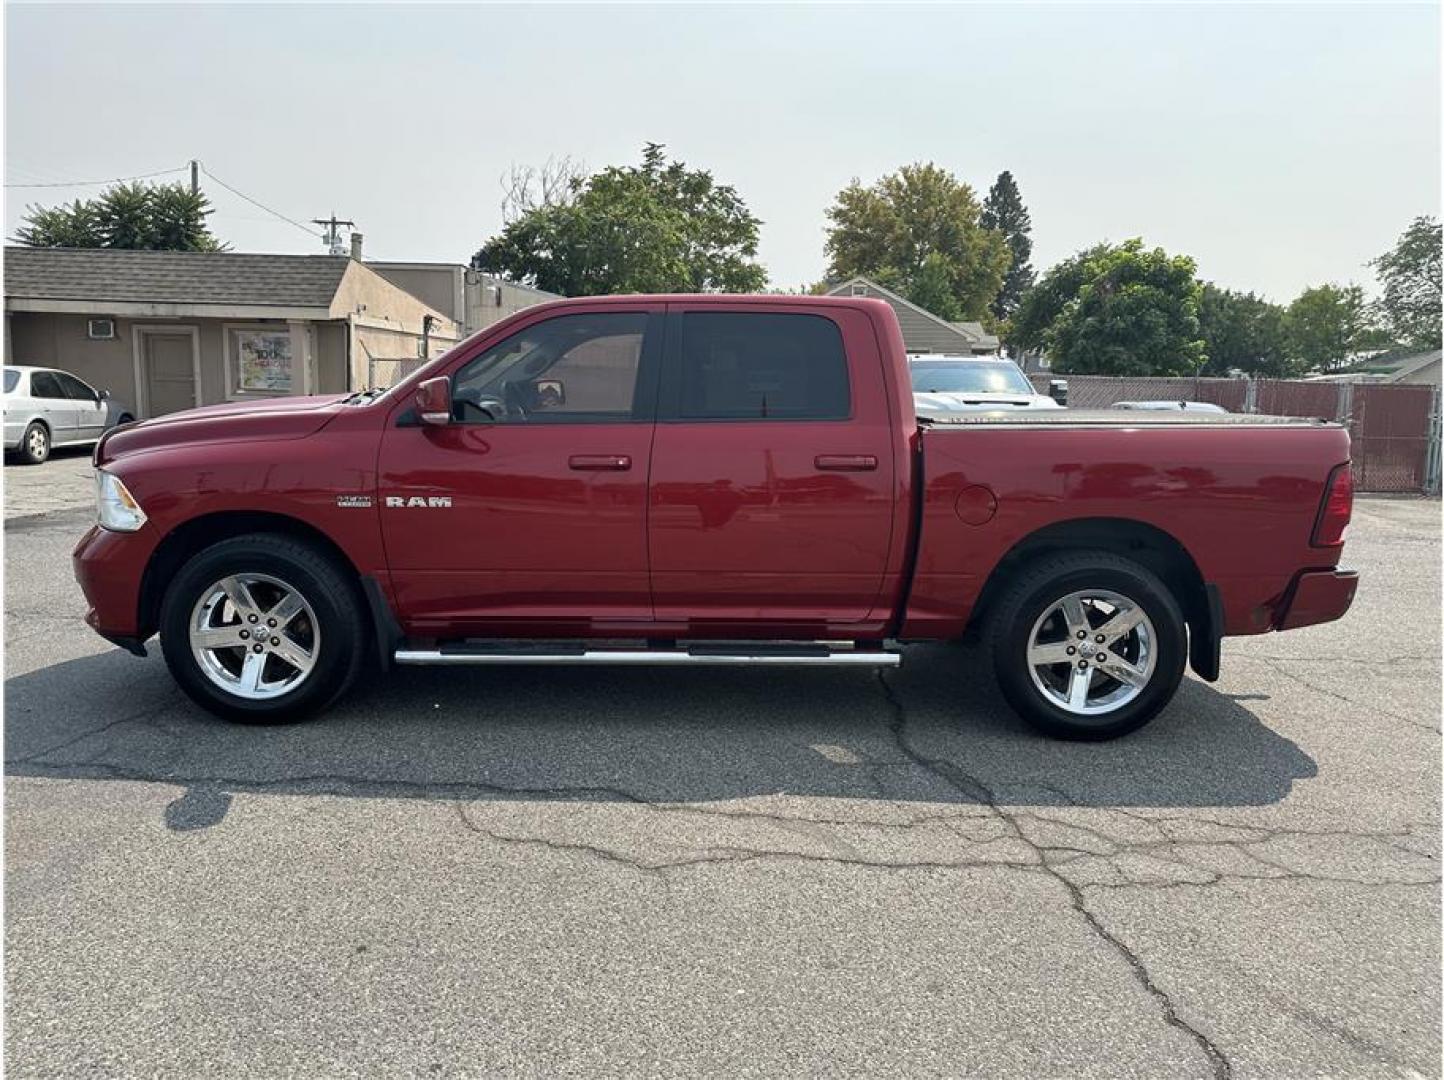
(1092, 652)
(254, 636)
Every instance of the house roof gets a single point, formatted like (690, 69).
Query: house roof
(173, 277)
(922, 330)
(1410, 365)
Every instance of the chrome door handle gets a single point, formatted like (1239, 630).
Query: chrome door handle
(600, 462)
(846, 462)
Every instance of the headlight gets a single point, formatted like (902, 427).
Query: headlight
(116, 507)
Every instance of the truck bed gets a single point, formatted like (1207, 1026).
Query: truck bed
(1114, 418)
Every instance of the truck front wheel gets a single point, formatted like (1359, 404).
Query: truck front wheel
(1088, 645)
(262, 629)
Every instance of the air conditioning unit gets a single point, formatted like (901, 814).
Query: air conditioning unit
(100, 329)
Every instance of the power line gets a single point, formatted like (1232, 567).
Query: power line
(98, 183)
(263, 206)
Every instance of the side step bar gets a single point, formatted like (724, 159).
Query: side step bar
(801, 655)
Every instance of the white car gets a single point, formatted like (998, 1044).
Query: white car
(45, 408)
(969, 384)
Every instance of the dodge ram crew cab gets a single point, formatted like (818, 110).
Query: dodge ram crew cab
(705, 480)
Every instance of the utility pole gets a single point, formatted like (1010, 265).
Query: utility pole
(333, 232)
(195, 177)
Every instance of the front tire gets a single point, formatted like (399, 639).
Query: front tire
(1088, 645)
(35, 445)
(262, 629)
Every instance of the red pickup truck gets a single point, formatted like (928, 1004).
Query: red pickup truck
(705, 480)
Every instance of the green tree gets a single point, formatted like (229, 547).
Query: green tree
(1116, 310)
(1242, 332)
(1410, 274)
(657, 227)
(138, 217)
(1327, 325)
(1004, 212)
(913, 231)
(1044, 304)
(932, 288)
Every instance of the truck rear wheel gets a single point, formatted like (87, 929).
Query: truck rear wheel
(1088, 645)
(262, 629)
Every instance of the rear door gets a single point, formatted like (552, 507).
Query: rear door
(55, 405)
(527, 514)
(773, 484)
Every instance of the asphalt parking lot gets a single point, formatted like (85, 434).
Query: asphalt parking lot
(746, 872)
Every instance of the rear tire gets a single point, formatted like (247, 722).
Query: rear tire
(35, 444)
(263, 629)
(1063, 658)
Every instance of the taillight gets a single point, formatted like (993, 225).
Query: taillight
(1337, 507)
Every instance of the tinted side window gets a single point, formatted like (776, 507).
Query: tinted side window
(12, 380)
(74, 388)
(45, 385)
(574, 368)
(740, 366)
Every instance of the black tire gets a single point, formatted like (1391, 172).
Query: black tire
(125, 418)
(1039, 587)
(35, 444)
(332, 594)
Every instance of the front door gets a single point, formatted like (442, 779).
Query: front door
(169, 367)
(773, 482)
(527, 513)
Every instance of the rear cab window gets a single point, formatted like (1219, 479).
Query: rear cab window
(732, 365)
(12, 380)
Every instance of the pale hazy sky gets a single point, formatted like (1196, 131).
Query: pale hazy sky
(1280, 146)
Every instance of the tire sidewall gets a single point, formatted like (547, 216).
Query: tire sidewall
(26, 453)
(1013, 638)
(325, 590)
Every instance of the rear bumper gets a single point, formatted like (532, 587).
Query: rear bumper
(1318, 596)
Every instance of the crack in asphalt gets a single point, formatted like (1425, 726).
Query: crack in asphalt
(1219, 1063)
(1294, 676)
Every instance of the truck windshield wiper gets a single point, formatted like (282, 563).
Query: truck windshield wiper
(361, 397)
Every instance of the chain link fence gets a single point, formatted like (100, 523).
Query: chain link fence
(1395, 428)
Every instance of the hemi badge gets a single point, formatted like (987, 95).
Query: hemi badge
(353, 500)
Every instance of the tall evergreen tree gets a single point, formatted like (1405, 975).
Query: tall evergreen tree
(1004, 212)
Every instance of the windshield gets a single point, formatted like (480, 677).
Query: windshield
(969, 377)
(12, 380)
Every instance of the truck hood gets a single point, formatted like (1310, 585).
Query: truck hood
(969, 402)
(271, 419)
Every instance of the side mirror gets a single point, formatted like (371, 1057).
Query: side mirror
(550, 393)
(1058, 390)
(433, 401)
(101, 395)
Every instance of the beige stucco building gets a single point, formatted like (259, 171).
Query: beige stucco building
(470, 297)
(167, 330)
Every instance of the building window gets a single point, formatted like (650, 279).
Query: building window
(261, 361)
(859, 289)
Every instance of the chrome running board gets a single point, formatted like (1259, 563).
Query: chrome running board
(786, 655)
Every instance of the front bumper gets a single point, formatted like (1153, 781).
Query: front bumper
(109, 567)
(1318, 596)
